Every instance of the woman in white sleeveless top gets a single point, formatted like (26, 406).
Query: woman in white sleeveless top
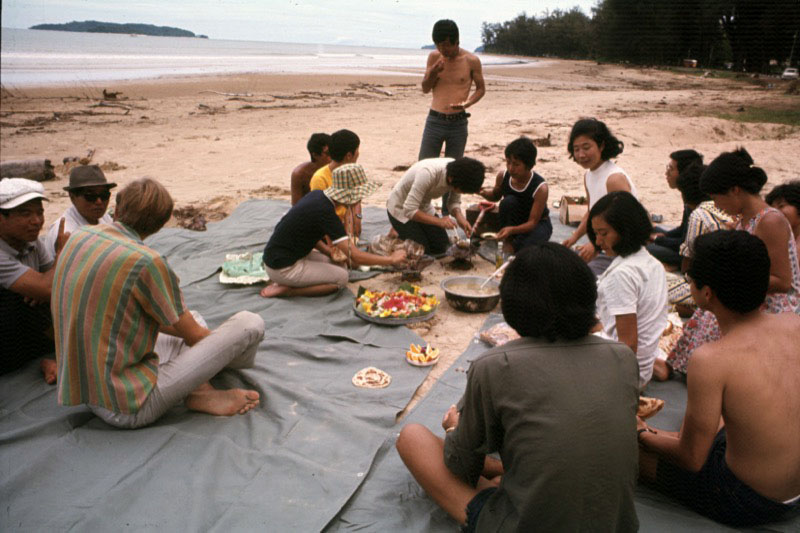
(592, 146)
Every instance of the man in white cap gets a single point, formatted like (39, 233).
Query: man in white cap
(26, 278)
(292, 256)
(89, 192)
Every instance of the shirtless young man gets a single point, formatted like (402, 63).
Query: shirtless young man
(450, 74)
(738, 473)
(317, 147)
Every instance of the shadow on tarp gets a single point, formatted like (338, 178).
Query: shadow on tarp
(391, 500)
(288, 465)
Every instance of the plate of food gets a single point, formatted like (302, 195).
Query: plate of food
(419, 356)
(243, 269)
(371, 378)
(406, 305)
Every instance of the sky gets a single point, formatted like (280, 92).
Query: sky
(392, 23)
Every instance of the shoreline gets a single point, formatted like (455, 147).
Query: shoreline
(402, 72)
(50, 58)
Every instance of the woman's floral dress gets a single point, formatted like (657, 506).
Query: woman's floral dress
(702, 327)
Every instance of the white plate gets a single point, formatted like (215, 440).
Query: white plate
(415, 363)
(242, 280)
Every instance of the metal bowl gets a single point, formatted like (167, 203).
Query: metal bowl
(470, 303)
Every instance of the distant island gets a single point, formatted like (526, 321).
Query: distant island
(94, 26)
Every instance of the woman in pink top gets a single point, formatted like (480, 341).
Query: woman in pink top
(592, 146)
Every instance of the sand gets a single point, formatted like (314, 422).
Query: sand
(214, 150)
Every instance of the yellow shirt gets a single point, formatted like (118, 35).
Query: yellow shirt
(321, 180)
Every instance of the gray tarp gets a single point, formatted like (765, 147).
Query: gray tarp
(390, 499)
(290, 465)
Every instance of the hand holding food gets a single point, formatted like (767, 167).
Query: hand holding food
(587, 251)
(450, 420)
(504, 233)
(398, 256)
(447, 223)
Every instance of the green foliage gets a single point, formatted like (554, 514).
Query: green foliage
(790, 117)
(659, 32)
(560, 33)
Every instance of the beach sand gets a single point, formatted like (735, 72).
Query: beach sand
(213, 150)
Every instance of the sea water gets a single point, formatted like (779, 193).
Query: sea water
(42, 57)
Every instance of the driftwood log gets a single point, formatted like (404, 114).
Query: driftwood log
(237, 95)
(32, 169)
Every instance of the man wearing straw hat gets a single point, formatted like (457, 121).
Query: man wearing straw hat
(293, 259)
(89, 191)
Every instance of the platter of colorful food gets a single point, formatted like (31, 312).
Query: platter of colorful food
(406, 305)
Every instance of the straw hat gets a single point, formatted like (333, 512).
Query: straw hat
(350, 184)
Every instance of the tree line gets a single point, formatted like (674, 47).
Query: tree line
(748, 34)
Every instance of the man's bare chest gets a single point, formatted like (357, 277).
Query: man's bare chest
(456, 75)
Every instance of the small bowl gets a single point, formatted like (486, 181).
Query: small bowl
(470, 303)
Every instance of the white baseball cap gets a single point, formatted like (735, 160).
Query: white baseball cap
(17, 191)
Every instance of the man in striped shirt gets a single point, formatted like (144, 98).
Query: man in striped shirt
(125, 343)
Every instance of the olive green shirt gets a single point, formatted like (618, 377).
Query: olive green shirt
(562, 416)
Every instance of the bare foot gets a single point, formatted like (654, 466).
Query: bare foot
(222, 402)
(273, 289)
(50, 370)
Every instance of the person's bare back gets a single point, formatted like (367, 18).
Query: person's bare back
(758, 363)
(301, 177)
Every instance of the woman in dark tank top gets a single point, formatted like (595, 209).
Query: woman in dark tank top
(524, 216)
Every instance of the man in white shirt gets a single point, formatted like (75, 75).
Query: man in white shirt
(89, 192)
(410, 211)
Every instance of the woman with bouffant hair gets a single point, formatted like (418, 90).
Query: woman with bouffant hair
(144, 205)
(733, 181)
(592, 146)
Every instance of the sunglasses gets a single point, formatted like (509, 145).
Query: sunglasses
(92, 197)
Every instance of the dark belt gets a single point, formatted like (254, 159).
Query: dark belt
(462, 115)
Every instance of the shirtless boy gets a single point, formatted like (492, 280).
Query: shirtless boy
(745, 469)
(450, 74)
(301, 175)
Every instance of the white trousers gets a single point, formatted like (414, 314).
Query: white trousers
(183, 368)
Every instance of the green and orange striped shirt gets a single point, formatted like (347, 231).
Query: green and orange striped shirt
(111, 293)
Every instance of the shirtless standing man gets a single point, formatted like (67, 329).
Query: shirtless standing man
(450, 73)
(317, 147)
(748, 472)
